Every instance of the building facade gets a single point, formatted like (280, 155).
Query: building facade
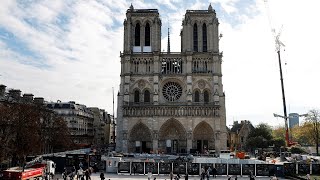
(171, 102)
(79, 120)
(293, 120)
(239, 135)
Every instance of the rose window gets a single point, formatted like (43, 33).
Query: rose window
(172, 91)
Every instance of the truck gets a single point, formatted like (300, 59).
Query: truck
(36, 169)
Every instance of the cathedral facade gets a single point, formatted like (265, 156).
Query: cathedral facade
(171, 102)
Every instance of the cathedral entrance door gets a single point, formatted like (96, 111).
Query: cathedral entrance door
(144, 147)
(175, 148)
(202, 146)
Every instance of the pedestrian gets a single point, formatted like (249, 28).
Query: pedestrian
(208, 173)
(171, 175)
(186, 176)
(149, 175)
(274, 177)
(251, 177)
(202, 173)
(178, 176)
(87, 174)
(308, 177)
(134, 169)
(214, 172)
(80, 173)
(102, 176)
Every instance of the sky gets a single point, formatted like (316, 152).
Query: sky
(70, 51)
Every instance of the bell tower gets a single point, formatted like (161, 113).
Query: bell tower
(142, 31)
(200, 31)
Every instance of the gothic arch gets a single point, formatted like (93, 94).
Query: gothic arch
(206, 95)
(172, 129)
(141, 84)
(203, 131)
(140, 138)
(195, 37)
(147, 95)
(196, 95)
(204, 38)
(137, 34)
(140, 132)
(147, 35)
(136, 95)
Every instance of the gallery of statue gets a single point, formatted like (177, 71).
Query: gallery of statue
(171, 102)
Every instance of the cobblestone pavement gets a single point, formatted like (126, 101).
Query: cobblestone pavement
(96, 176)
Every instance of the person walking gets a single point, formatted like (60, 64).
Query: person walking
(102, 176)
(208, 174)
(87, 174)
(214, 172)
(149, 175)
(171, 175)
(80, 173)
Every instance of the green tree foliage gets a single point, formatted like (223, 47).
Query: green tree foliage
(314, 118)
(302, 135)
(260, 137)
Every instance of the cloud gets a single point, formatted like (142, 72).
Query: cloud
(70, 51)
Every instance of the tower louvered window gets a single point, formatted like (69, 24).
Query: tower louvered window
(195, 38)
(204, 38)
(136, 96)
(147, 35)
(137, 35)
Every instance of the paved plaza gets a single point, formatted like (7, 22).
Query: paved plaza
(96, 176)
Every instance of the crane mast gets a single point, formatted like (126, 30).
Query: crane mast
(278, 45)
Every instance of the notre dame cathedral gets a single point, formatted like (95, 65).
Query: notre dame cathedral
(171, 102)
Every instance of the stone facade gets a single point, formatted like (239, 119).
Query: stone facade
(239, 135)
(171, 102)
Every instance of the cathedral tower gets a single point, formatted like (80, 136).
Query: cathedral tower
(171, 102)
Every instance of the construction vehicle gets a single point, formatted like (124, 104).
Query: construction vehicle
(35, 169)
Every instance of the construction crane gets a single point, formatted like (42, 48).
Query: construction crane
(278, 45)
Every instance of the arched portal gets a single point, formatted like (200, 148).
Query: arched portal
(173, 137)
(203, 137)
(140, 139)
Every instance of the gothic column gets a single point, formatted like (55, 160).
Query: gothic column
(189, 141)
(155, 141)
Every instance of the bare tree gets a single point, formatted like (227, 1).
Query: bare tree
(314, 117)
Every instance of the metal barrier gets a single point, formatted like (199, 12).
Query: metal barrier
(221, 168)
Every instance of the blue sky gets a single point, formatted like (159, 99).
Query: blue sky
(69, 50)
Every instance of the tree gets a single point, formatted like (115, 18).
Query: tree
(301, 134)
(30, 129)
(279, 133)
(260, 137)
(313, 118)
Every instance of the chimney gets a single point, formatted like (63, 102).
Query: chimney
(28, 98)
(2, 90)
(38, 100)
(15, 94)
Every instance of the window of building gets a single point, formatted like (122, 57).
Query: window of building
(146, 96)
(196, 96)
(147, 35)
(172, 91)
(195, 38)
(206, 96)
(136, 96)
(137, 35)
(204, 38)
